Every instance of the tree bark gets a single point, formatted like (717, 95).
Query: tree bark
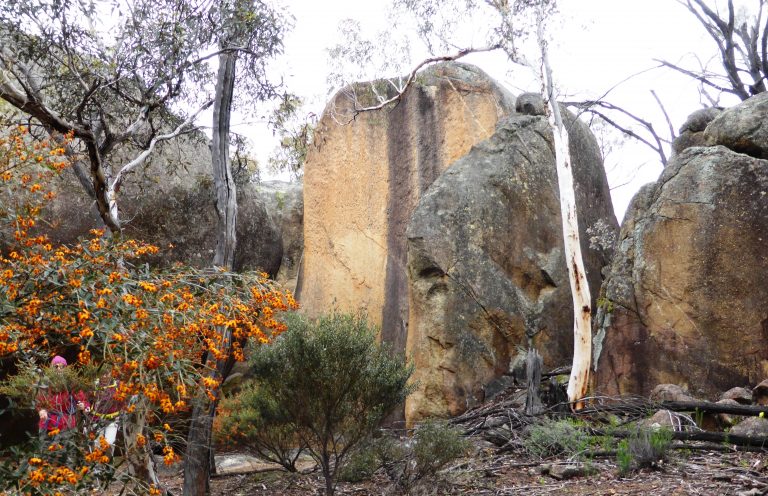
(197, 458)
(197, 463)
(533, 375)
(226, 195)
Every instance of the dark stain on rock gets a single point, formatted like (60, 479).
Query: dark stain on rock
(404, 145)
(427, 146)
(399, 154)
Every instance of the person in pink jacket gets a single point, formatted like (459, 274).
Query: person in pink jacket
(58, 409)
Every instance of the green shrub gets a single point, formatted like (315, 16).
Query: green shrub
(556, 437)
(253, 419)
(333, 383)
(361, 463)
(643, 449)
(436, 444)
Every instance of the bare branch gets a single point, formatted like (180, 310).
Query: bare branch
(658, 147)
(672, 134)
(120, 176)
(412, 76)
(699, 77)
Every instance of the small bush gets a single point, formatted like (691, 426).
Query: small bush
(643, 449)
(333, 383)
(361, 463)
(253, 419)
(434, 445)
(556, 437)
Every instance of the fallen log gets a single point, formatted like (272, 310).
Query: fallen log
(707, 407)
(713, 437)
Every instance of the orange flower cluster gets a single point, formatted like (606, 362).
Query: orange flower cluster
(154, 331)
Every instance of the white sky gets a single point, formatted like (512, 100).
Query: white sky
(598, 43)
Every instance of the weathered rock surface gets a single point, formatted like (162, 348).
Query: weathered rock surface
(285, 204)
(670, 392)
(661, 419)
(692, 130)
(486, 265)
(752, 427)
(740, 395)
(760, 393)
(171, 201)
(686, 294)
(365, 174)
(742, 128)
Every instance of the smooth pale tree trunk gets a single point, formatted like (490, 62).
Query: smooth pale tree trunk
(226, 195)
(582, 310)
(141, 465)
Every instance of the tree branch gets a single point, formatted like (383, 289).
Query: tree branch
(412, 76)
(120, 176)
(39, 111)
(698, 77)
(672, 133)
(589, 106)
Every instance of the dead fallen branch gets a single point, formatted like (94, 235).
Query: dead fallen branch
(707, 407)
(714, 437)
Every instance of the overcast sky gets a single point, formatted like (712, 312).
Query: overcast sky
(598, 43)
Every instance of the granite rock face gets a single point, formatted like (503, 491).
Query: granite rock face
(486, 265)
(285, 204)
(742, 128)
(686, 300)
(692, 130)
(170, 202)
(364, 176)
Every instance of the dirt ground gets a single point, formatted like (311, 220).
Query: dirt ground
(488, 473)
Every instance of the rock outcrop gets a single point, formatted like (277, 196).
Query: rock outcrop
(692, 130)
(285, 204)
(170, 203)
(686, 300)
(742, 128)
(486, 265)
(364, 176)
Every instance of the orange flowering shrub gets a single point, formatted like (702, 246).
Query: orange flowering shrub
(152, 330)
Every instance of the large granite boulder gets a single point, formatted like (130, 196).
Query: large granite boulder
(485, 261)
(686, 300)
(285, 204)
(692, 130)
(170, 202)
(364, 176)
(742, 128)
(183, 223)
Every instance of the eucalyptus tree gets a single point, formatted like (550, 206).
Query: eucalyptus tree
(248, 34)
(112, 74)
(518, 27)
(120, 76)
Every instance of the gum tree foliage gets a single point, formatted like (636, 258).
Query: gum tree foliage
(119, 75)
(112, 86)
(332, 383)
(295, 132)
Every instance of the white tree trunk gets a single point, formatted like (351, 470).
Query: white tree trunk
(582, 310)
